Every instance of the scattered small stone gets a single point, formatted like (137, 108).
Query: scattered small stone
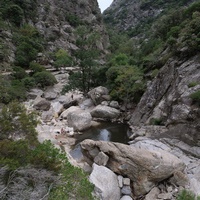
(169, 189)
(153, 194)
(114, 104)
(161, 187)
(126, 190)
(126, 197)
(120, 180)
(127, 181)
(167, 196)
(101, 159)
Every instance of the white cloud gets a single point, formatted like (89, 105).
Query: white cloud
(103, 4)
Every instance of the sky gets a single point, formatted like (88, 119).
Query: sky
(103, 4)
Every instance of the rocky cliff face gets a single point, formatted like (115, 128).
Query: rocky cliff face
(56, 20)
(127, 14)
(168, 99)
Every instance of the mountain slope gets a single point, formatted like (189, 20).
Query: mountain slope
(127, 14)
(168, 50)
(55, 22)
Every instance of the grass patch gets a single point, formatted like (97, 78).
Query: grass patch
(195, 97)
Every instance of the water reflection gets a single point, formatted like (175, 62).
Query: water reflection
(104, 135)
(114, 132)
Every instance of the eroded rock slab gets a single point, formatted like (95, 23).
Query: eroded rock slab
(145, 168)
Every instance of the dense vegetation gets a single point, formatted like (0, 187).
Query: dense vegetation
(187, 195)
(28, 167)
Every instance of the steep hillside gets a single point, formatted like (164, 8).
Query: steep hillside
(54, 22)
(125, 15)
(167, 48)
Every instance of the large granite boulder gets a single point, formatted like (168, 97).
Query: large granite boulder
(79, 120)
(50, 95)
(105, 112)
(66, 112)
(106, 183)
(41, 104)
(98, 95)
(145, 168)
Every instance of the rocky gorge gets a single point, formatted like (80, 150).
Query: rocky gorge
(162, 157)
(148, 167)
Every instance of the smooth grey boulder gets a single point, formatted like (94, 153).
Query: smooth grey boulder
(65, 113)
(126, 197)
(105, 112)
(79, 120)
(144, 168)
(106, 183)
(126, 190)
(98, 94)
(87, 103)
(114, 104)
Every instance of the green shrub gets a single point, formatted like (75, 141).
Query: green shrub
(174, 31)
(45, 156)
(17, 90)
(155, 121)
(187, 195)
(29, 82)
(73, 20)
(19, 73)
(196, 97)
(120, 59)
(192, 84)
(25, 53)
(76, 183)
(73, 180)
(62, 59)
(35, 67)
(16, 122)
(14, 154)
(44, 78)
(29, 43)
(154, 73)
(13, 13)
(11, 90)
(125, 83)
